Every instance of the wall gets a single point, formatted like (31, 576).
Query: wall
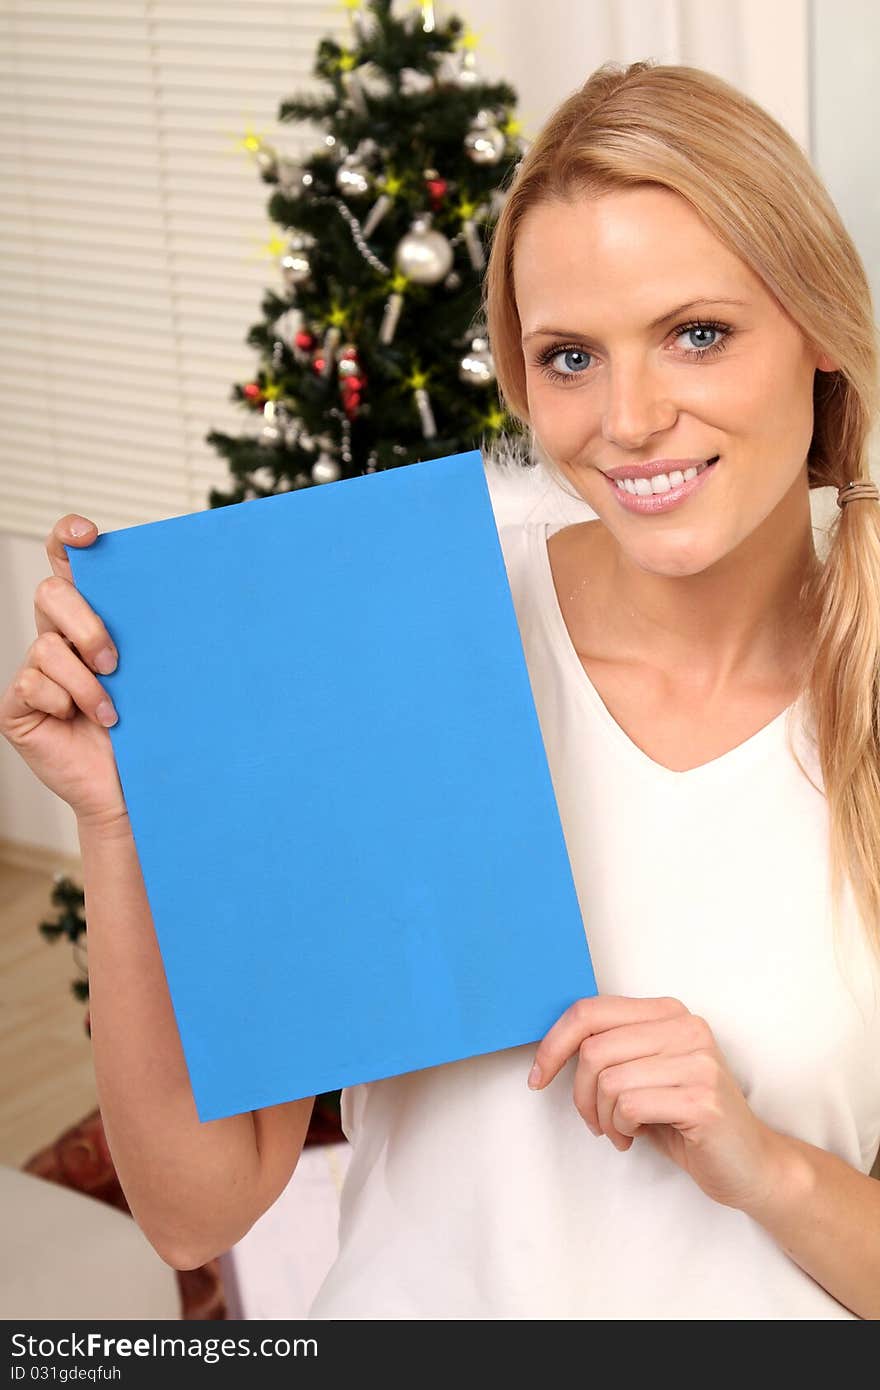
(845, 110)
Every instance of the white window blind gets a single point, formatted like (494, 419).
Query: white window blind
(132, 241)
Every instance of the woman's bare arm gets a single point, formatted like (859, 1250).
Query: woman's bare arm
(194, 1188)
(826, 1216)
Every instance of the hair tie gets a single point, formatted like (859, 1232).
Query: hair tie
(855, 491)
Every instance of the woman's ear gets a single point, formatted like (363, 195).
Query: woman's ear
(824, 363)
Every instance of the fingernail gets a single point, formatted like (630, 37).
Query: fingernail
(106, 661)
(594, 1129)
(80, 528)
(106, 713)
(535, 1076)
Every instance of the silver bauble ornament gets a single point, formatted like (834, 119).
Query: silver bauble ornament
(288, 324)
(467, 75)
(459, 69)
(292, 178)
(295, 264)
(423, 256)
(374, 81)
(484, 142)
(413, 82)
(325, 470)
(263, 478)
(476, 367)
(351, 178)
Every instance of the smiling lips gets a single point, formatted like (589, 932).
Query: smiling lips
(658, 485)
(655, 466)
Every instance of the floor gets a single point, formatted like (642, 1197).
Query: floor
(46, 1076)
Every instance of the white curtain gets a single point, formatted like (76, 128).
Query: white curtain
(549, 48)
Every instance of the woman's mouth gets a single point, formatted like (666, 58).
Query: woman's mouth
(663, 491)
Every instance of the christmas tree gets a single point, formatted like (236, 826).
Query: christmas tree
(373, 352)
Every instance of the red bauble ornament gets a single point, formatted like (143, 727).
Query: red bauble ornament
(352, 380)
(254, 391)
(437, 190)
(351, 389)
(318, 364)
(304, 339)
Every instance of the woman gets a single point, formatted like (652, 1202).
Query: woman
(671, 296)
(672, 299)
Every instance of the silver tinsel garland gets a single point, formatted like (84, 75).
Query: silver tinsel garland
(358, 238)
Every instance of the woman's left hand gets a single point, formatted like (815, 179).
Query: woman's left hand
(650, 1067)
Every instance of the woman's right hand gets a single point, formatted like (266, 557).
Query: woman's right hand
(50, 712)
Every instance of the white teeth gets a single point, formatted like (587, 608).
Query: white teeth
(661, 482)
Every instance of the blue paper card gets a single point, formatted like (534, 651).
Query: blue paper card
(337, 783)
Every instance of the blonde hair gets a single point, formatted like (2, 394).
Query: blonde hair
(691, 132)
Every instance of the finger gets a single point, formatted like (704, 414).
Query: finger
(680, 1034)
(51, 656)
(679, 1106)
(586, 1017)
(31, 691)
(644, 1072)
(62, 534)
(59, 607)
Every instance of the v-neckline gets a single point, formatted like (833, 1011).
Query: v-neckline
(737, 757)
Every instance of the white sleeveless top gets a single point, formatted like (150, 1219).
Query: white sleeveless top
(470, 1196)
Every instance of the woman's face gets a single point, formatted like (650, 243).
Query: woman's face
(599, 285)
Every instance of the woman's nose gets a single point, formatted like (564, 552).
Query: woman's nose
(637, 406)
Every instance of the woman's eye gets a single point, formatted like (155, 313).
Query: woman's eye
(699, 335)
(573, 361)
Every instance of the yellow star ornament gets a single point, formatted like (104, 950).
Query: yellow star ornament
(416, 380)
(494, 418)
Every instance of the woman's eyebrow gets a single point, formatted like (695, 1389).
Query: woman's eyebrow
(656, 323)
